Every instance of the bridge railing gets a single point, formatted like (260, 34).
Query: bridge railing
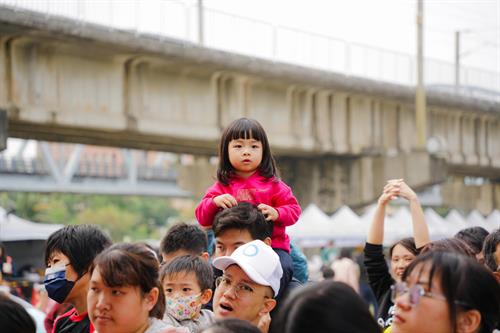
(262, 39)
(88, 169)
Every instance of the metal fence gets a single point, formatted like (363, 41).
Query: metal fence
(248, 36)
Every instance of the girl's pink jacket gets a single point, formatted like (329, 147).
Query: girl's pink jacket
(256, 190)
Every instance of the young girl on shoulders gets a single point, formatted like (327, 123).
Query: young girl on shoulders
(247, 172)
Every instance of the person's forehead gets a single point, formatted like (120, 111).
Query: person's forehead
(234, 236)
(235, 272)
(400, 250)
(181, 278)
(57, 255)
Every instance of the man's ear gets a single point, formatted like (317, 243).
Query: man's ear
(206, 296)
(268, 241)
(497, 276)
(204, 256)
(468, 321)
(268, 305)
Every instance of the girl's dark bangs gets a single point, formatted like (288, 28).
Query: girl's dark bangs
(246, 130)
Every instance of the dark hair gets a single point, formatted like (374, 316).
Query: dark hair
(465, 283)
(489, 247)
(183, 236)
(243, 216)
(474, 237)
(327, 272)
(232, 325)
(3, 256)
(324, 307)
(408, 243)
(132, 265)
(14, 318)
(449, 245)
(189, 264)
(244, 128)
(80, 243)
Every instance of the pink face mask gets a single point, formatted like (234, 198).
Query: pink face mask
(184, 307)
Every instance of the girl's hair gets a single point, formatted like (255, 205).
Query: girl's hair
(449, 245)
(408, 243)
(244, 128)
(474, 237)
(231, 325)
(324, 307)
(465, 283)
(132, 265)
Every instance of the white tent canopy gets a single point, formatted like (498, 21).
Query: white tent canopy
(313, 227)
(14, 228)
(346, 228)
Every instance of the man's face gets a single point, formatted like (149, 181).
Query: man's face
(230, 240)
(239, 297)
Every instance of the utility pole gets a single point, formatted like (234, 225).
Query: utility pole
(457, 61)
(420, 112)
(200, 23)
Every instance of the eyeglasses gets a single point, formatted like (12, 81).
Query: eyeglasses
(415, 292)
(241, 290)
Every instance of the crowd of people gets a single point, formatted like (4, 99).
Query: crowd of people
(237, 271)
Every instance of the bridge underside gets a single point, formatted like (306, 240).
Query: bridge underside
(338, 138)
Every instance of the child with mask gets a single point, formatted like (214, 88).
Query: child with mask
(69, 254)
(186, 282)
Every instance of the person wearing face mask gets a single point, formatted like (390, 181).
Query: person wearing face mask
(69, 255)
(186, 282)
(401, 253)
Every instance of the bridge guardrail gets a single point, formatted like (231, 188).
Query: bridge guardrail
(179, 20)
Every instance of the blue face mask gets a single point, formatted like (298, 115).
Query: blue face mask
(56, 284)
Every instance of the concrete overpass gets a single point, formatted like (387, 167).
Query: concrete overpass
(337, 137)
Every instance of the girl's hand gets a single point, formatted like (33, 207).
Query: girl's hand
(225, 201)
(391, 191)
(269, 212)
(406, 192)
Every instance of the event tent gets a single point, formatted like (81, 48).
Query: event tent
(346, 228)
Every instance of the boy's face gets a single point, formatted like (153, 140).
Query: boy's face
(181, 284)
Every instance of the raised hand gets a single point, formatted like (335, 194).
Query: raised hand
(269, 212)
(225, 201)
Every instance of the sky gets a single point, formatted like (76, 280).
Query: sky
(389, 24)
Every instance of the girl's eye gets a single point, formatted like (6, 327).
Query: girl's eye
(255, 146)
(116, 292)
(168, 290)
(186, 289)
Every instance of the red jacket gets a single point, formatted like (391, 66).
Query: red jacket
(255, 189)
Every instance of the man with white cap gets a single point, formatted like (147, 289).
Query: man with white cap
(249, 284)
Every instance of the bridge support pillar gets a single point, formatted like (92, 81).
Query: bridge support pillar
(196, 176)
(332, 181)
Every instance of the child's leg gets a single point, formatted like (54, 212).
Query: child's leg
(287, 265)
(210, 241)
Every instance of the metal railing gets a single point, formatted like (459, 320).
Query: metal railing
(88, 169)
(253, 37)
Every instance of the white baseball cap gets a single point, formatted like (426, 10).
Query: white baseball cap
(258, 261)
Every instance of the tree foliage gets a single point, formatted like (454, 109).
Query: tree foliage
(129, 217)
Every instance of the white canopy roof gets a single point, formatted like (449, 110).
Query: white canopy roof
(314, 228)
(14, 228)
